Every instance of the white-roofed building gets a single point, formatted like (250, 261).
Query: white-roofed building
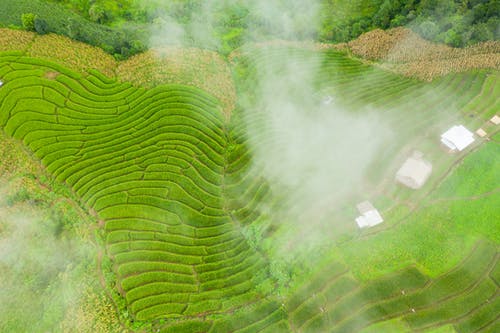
(495, 119)
(1, 83)
(457, 138)
(369, 215)
(415, 171)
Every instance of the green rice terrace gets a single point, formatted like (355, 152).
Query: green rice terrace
(193, 235)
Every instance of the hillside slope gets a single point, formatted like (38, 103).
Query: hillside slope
(194, 227)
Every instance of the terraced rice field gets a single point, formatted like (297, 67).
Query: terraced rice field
(173, 182)
(151, 164)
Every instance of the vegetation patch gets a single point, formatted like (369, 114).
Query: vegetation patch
(48, 262)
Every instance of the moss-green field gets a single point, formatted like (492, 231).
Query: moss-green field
(186, 232)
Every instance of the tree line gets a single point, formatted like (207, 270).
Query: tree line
(124, 27)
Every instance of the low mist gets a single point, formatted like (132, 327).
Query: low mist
(42, 268)
(313, 152)
(202, 24)
(308, 147)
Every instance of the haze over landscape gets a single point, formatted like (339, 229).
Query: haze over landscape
(249, 166)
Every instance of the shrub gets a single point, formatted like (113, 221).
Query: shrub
(41, 26)
(28, 20)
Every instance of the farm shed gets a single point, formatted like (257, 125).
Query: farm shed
(369, 215)
(495, 119)
(457, 138)
(481, 133)
(415, 171)
(1, 83)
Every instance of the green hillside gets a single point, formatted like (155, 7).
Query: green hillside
(125, 27)
(193, 228)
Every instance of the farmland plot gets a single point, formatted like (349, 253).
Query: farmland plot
(177, 188)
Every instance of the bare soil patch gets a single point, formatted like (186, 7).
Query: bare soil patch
(51, 75)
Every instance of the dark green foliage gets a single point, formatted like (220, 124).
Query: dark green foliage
(118, 27)
(53, 17)
(41, 26)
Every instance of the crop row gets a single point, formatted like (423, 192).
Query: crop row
(333, 302)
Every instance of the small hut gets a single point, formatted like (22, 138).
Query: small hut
(369, 215)
(415, 171)
(481, 132)
(495, 120)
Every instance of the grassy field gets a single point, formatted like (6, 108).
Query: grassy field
(48, 253)
(192, 228)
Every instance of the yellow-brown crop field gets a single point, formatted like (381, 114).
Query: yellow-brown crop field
(403, 51)
(75, 55)
(18, 40)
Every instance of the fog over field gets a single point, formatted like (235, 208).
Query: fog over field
(311, 149)
(288, 19)
(314, 150)
(41, 268)
(318, 149)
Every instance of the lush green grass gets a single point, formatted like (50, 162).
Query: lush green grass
(144, 160)
(48, 252)
(449, 222)
(433, 230)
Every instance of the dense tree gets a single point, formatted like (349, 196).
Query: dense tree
(428, 29)
(123, 27)
(452, 38)
(74, 29)
(480, 33)
(41, 26)
(97, 14)
(28, 21)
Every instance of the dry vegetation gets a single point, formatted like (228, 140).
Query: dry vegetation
(430, 69)
(72, 54)
(15, 40)
(92, 313)
(402, 51)
(12, 161)
(398, 50)
(190, 66)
